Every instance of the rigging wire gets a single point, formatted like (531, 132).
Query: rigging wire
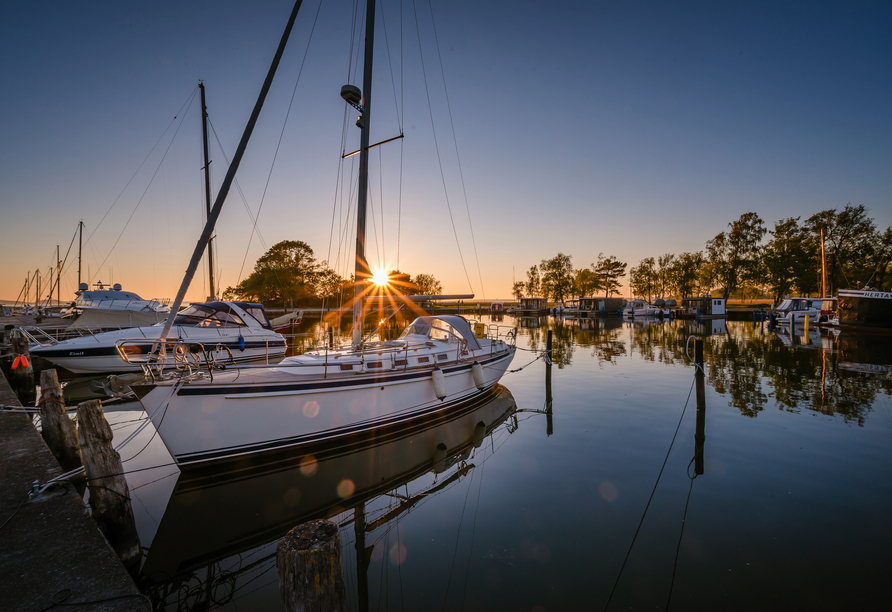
(455, 142)
(282, 132)
(185, 105)
(437, 148)
(142, 197)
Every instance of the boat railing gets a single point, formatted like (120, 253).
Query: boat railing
(185, 357)
(46, 336)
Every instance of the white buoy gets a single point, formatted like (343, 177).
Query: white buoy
(477, 373)
(439, 383)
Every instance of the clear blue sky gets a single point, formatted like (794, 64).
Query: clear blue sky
(628, 128)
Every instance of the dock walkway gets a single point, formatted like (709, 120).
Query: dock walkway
(50, 549)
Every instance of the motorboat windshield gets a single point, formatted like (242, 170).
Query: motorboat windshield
(211, 314)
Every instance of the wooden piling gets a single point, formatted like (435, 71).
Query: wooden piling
(700, 431)
(549, 420)
(22, 379)
(58, 431)
(308, 559)
(109, 493)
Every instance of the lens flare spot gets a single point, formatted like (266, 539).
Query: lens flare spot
(608, 491)
(397, 554)
(346, 488)
(308, 465)
(311, 409)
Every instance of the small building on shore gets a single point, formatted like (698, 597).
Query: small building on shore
(707, 306)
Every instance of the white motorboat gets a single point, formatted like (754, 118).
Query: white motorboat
(104, 307)
(331, 395)
(640, 308)
(796, 309)
(239, 328)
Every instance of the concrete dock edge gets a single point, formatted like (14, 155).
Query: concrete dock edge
(50, 548)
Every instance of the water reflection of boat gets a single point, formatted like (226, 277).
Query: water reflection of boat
(212, 516)
(531, 322)
(864, 353)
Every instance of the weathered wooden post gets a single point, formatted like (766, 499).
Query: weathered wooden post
(309, 563)
(700, 432)
(549, 420)
(58, 431)
(22, 370)
(109, 494)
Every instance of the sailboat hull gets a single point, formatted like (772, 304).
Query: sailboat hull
(207, 423)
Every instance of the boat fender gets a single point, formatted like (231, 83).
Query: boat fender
(439, 383)
(477, 373)
(241, 343)
(21, 360)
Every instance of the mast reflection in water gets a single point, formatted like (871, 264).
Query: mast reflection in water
(216, 540)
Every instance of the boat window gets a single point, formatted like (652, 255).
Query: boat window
(442, 356)
(441, 331)
(401, 362)
(785, 305)
(201, 315)
(374, 364)
(257, 311)
(416, 328)
(424, 360)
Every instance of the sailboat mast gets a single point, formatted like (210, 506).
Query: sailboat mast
(227, 180)
(361, 272)
(823, 268)
(207, 188)
(58, 278)
(80, 247)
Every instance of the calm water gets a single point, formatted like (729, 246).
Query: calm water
(536, 511)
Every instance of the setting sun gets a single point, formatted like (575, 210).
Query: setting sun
(380, 278)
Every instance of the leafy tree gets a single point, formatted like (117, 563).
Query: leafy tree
(287, 271)
(534, 282)
(558, 277)
(518, 290)
(587, 283)
(426, 284)
(685, 273)
(328, 282)
(788, 260)
(881, 260)
(733, 255)
(643, 278)
(848, 237)
(664, 277)
(610, 270)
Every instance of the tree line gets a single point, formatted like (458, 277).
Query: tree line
(740, 263)
(289, 273)
(557, 279)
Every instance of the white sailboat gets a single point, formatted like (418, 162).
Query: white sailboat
(437, 365)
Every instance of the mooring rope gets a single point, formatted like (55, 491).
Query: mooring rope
(650, 499)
